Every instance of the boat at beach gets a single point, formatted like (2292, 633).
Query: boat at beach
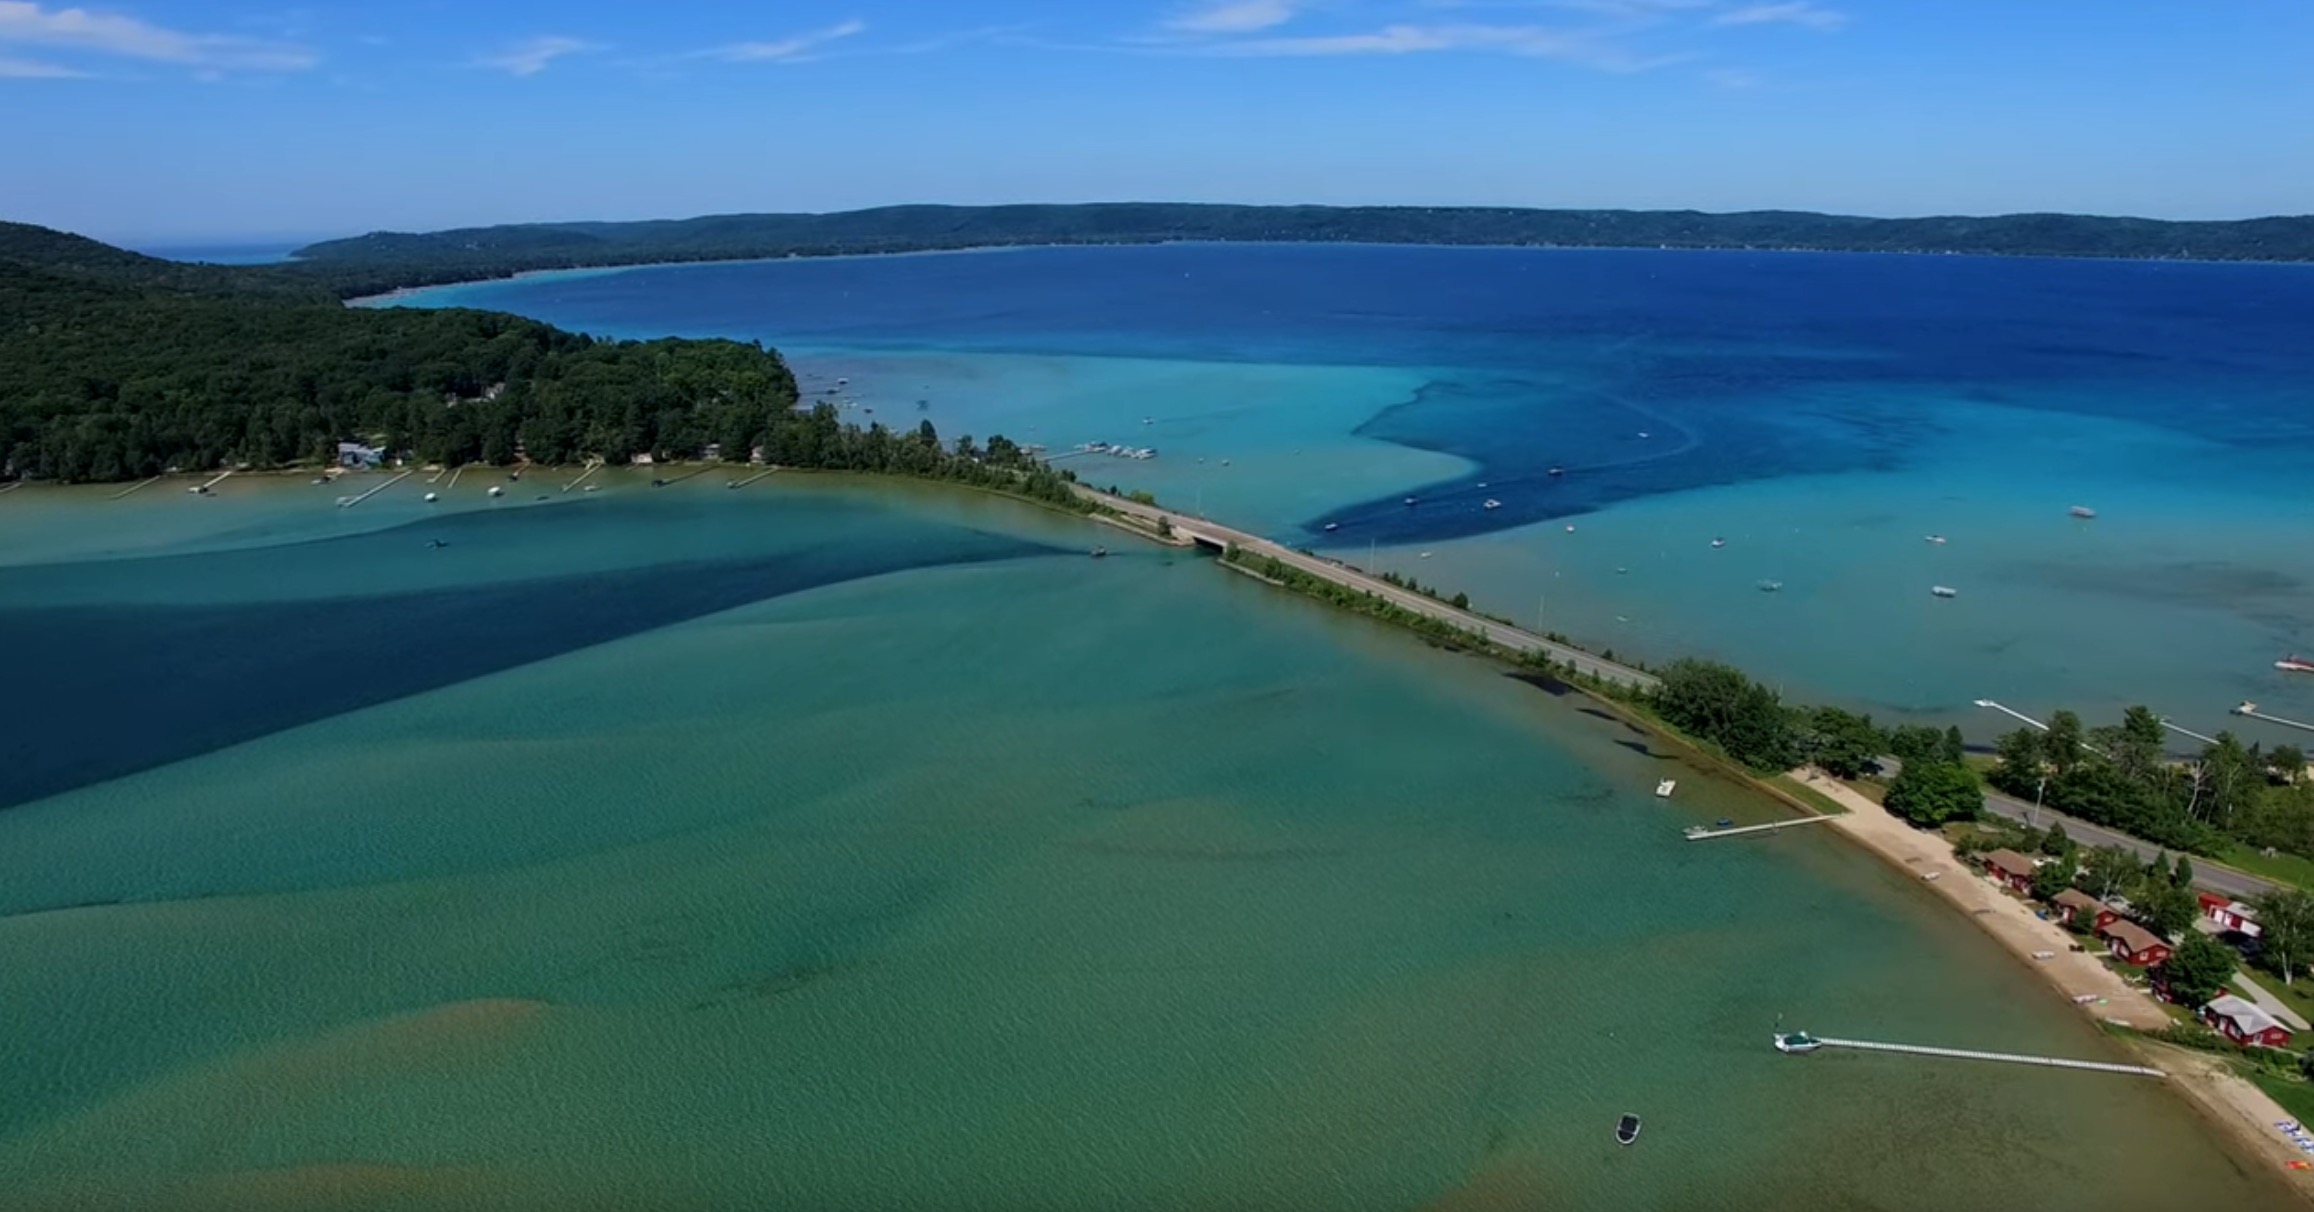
(1796, 1043)
(2083, 511)
(1627, 1129)
(1944, 591)
(2294, 663)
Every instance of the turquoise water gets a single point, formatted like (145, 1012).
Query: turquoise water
(982, 875)
(1823, 414)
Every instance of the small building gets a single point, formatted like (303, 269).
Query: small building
(2133, 944)
(2073, 905)
(354, 454)
(2230, 915)
(2245, 1022)
(2010, 868)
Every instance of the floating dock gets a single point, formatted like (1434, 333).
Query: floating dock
(1700, 833)
(2050, 1062)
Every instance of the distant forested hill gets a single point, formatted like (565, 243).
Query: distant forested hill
(115, 366)
(383, 260)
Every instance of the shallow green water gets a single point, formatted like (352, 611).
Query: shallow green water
(1040, 883)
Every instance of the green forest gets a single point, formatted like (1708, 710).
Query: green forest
(383, 260)
(115, 366)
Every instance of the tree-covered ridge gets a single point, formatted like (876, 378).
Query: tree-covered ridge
(382, 260)
(115, 366)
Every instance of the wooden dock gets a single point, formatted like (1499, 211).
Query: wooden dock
(350, 502)
(2051, 1062)
(1701, 833)
(751, 479)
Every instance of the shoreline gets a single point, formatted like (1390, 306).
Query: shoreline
(2237, 1109)
(401, 292)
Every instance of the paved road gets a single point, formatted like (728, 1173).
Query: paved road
(1512, 638)
(2206, 875)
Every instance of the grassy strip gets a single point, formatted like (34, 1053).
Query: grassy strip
(1823, 803)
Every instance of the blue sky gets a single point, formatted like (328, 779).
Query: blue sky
(200, 119)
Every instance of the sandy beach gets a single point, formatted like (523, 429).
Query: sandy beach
(2237, 1107)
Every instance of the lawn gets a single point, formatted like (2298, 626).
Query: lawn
(2282, 868)
(2296, 1097)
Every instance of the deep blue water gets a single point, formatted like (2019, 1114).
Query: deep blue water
(213, 649)
(1561, 358)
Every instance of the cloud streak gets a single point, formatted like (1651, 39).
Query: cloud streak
(1792, 12)
(115, 34)
(1236, 17)
(531, 57)
(29, 69)
(787, 50)
(1530, 41)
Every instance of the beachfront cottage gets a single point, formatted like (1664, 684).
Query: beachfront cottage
(2011, 869)
(2245, 1022)
(2132, 943)
(2230, 915)
(356, 455)
(2074, 905)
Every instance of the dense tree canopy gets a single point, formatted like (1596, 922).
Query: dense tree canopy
(2199, 967)
(1718, 703)
(1931, 793)
(382, 260)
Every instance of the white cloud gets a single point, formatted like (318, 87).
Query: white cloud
(80, 29)
(1236, 16)
(787, 50)
(27, 69)
(1791, 12)
(532, 57)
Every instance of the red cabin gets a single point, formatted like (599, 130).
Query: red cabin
(2075, 905)
(2133, 944)
(2245, 1023)
(2011, 869)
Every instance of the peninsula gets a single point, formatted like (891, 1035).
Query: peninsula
(382, 261)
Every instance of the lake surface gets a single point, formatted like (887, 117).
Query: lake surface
(839, 846)
(1823, 414)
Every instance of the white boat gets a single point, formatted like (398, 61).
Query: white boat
(1937, 539)
(1770, 586)
(2083, 511)
(1944, 591)
(497, 491)
(432, 497)
(1627, 1129)
(1664, 789)
(1491, 503)
(1333, 526)
(1719, 542)
(1796, 1043)
(2294, 664)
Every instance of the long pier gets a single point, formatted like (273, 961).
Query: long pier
(753, 478)
(133, 487)
(2251, 711)
(2050, 1062)
(1700, 833)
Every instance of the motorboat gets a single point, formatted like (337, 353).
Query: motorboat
(1627, 1129)
(1664, 789)
(1410, 500)
(1770, 586)
(2294, 664)
(1491, 503)
(1560, 471)
(1100, 552)
(1719, 542)
(1796, 1043)
(2083, 511)
(1333, 526)
(1937, 539)
(1944, 591)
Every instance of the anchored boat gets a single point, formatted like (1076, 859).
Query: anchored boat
(1627, 1129)
(2294, 664)
(1796, 1043)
